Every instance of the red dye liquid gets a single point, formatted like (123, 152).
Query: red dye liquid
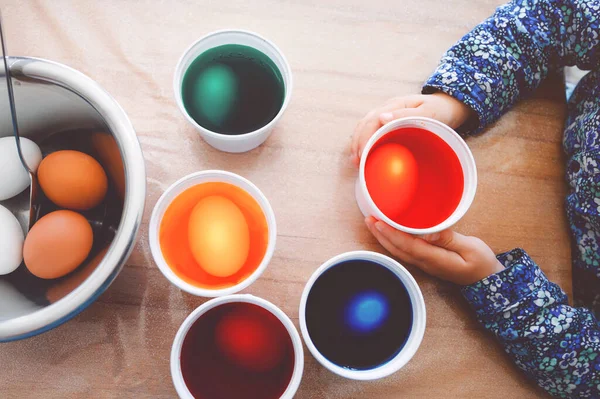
(440, 180)
(251, 340)
(237, 350)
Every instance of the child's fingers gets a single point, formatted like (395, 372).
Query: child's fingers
(422, 253)
(370, 222)
(354, 145)
(412, 101)
(371, 122)
(442, 268)
(400, 239)
(368, 129)
(367, 126)
(450, 240)
(353, 156)
(387, 117)
(363, 127)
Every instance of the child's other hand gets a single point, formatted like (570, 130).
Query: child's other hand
(447, 255)
(438, 106)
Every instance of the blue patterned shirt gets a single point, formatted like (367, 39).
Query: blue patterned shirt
(502, 60)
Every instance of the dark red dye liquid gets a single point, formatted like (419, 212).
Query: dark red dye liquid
(210, 374)
(440, 177)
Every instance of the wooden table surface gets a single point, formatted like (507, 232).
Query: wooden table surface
(347, 57)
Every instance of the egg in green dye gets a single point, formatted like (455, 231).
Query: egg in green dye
(233, 89)
(215, 92)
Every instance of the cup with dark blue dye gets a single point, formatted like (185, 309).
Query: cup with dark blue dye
(362, 315)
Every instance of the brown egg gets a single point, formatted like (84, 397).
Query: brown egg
(110, 156)
(72, 179)
(57, 244)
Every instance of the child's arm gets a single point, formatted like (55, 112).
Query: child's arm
(501, 60)
(507, 56)
(438, 106)
(558, 346)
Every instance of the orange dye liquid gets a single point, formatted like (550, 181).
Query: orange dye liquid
(173, 234)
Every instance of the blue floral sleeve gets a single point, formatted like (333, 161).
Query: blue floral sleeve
(507, 56)
(557, 345)
(502, 60)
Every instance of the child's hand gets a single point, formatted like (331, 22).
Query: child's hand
(438, 106)
(448, 255)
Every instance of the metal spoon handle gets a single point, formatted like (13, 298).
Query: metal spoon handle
(11, 98)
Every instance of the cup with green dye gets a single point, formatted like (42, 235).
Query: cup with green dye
(233, 86)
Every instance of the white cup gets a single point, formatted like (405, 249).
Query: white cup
(176, 374)
(460, 148)
(417, 329)
(241, 142)
(179, 187)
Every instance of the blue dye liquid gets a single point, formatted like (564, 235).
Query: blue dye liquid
(359, 314)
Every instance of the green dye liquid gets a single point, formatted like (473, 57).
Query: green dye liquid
(233, 89)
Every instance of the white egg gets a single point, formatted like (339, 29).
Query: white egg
(13, 176)
(11, 242)
(14, 303)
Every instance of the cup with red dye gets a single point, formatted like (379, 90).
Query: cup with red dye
(237, 346)
(212, 233)
(417, 175)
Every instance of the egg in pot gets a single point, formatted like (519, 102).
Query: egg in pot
(73, 180)
(11, 242)
(57, 243)
(14, 178)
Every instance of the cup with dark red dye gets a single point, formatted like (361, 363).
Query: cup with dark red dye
(237, 346)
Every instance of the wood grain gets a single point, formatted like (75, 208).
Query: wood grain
(347, 56)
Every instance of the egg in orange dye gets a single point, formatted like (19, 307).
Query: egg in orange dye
(174, 235)
(391, 175)
(250, 340)
(218, 236)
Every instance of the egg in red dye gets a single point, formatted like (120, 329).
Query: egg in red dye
(251, 340)
(391, 175)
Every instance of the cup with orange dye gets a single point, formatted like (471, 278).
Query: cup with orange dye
(212, 233)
